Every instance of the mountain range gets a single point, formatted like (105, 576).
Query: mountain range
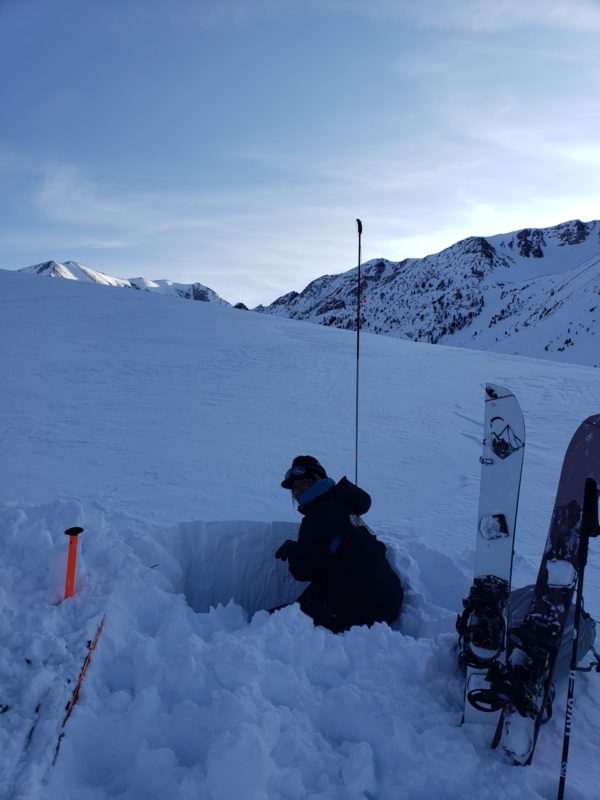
(533, 292)
(74, 271)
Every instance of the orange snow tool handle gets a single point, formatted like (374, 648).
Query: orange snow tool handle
(73, 534)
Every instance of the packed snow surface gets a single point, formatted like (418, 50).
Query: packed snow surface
(164, 429)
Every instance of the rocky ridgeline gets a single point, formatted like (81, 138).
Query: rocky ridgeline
(481, 292)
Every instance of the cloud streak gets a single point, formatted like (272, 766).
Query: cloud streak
(479, 15)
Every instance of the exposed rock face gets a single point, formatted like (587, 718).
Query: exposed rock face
(482, 292)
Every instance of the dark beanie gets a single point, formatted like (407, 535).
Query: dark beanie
(307, 466)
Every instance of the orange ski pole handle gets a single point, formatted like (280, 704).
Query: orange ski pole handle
(73, 534)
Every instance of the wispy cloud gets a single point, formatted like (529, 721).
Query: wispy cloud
(456, 15)
(68, 194)
(479, 15)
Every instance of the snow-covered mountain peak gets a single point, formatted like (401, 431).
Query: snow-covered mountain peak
(559, 248)
(73, 270)
(511, 293)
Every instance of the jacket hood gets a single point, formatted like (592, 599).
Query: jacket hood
(348, 494)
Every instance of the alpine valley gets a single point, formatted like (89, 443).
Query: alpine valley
(533, 292)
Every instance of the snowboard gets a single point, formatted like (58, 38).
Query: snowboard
(482, 626)
(524, 687)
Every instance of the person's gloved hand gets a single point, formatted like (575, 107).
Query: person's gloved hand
(283, 552)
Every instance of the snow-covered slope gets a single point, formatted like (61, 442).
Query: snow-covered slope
(72, 270)
(533, 292)
(164, 429)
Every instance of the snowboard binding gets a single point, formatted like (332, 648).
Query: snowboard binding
(482, 625)
(521, 683)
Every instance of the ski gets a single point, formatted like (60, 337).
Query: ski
(482, 625)
(75, 694)
(53, 708)
(523, 688)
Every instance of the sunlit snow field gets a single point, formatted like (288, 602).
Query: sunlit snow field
(163, 427)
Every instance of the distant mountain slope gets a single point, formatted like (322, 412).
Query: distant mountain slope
(532, 292)
(74, 271)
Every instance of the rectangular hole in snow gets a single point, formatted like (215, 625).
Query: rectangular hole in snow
(235, 560)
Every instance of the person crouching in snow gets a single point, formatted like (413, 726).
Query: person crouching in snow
(351, 580)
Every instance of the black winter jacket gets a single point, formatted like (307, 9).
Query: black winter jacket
(351, 581)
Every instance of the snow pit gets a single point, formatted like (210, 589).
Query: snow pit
(223, 561)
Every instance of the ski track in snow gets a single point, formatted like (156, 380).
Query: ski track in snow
(137, 419)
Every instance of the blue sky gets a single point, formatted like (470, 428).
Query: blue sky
(235, 142)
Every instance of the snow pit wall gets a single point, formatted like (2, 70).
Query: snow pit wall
(223, 561)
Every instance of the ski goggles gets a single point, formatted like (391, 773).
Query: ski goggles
(295, 472)
(301, 467)
(292, 474)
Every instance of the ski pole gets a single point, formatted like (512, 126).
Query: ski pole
(73, 534)
(359, 228)
(589, 527)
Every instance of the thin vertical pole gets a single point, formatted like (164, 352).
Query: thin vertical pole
(359, 228)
